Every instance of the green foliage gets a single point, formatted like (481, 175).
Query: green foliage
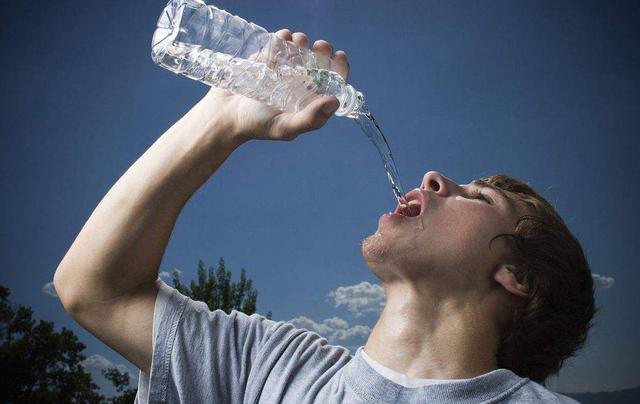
(121, 382)
(37, 364)
(216, 289)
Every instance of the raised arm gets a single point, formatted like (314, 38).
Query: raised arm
(107, 278)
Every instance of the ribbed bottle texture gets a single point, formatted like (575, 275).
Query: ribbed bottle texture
(210, 45)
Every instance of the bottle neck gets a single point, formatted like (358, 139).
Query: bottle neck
(352, 103)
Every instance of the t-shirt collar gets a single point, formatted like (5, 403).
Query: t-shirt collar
(375, 388)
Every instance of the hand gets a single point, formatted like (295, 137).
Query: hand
(251, 119)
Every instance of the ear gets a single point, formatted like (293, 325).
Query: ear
(508, 280)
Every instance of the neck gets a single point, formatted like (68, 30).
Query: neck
(424, 334)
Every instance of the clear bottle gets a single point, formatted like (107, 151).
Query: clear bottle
(210, 45)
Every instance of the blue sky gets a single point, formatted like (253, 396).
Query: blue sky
(545, 91)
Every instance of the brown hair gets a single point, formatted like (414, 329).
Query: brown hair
(551, 324)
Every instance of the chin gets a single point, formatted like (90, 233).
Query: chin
(380, 257)
(393, 253)
(374, 249)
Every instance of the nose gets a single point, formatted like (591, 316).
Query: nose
(435, 182)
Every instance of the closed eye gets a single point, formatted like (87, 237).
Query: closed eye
(479, 195)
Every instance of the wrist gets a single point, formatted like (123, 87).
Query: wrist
(220, 123)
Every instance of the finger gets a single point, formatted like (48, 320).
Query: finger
(323, 47)
(341, 64)
(301, 40)
(284, 34)
(312, 117)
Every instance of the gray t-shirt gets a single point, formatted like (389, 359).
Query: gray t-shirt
(203, 356)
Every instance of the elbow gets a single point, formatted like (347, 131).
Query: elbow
(65, 292)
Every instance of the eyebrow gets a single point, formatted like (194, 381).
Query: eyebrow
(503, 196)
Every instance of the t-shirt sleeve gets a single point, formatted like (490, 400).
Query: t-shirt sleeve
(200, 355)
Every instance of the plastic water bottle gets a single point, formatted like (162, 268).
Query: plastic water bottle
(210, 45)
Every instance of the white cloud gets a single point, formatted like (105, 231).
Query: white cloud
(169, 275)
(94, 366)
(49, 289)
(602, 282)
(96, 363)
(362, 298)
(326, 328)
(336, 330)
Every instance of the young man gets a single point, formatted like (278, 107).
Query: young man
(487, 291)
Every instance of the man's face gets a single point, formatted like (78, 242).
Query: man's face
(448, 241)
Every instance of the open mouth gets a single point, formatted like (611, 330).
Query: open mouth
(415, 204)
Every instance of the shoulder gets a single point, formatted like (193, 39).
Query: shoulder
(534, 392)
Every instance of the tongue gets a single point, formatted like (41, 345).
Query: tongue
(411, 211)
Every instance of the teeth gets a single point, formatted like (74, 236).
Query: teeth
(414, 203)
(403, 206)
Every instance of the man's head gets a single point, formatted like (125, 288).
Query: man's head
(499, 246)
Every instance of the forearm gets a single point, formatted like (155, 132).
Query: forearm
(121, 245)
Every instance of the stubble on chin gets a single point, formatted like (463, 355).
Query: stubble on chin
(373, 248)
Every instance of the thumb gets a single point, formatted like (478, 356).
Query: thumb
(329, 106)
(313, 116)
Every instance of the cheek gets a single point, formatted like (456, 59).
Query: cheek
(463, 236)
